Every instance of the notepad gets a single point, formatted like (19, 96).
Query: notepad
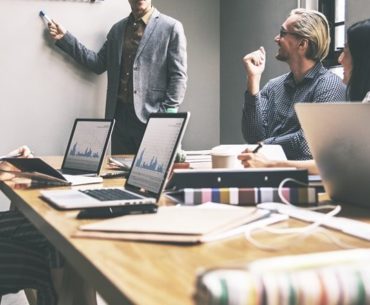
(177, 224)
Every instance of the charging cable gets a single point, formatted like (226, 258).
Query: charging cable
(297, 233)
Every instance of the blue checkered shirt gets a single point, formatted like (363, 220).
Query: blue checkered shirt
(270, 116)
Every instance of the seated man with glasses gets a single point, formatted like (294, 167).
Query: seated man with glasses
(268, 114)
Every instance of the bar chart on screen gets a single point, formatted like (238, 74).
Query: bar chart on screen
(87, 143)
(152, 165)
(155, 152)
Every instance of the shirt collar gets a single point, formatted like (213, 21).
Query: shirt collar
(145, 18)
(312, 74)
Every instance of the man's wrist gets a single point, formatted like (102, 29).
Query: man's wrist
(253, 84)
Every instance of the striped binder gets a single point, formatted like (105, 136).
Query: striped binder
(338, 281)
(246, 196)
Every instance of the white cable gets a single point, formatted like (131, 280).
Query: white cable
(298, 237)
(299, 233)
(280, 189)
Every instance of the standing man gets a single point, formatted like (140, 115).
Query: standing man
(146, 61)
(268, 114)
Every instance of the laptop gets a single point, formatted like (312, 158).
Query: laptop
(148, 173)
(86, 147)
(338, 136)
(83, 157)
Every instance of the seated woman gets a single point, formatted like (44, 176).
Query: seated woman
(26, 257)
(355, 60)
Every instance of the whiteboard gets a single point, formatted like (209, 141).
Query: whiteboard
(42, 89)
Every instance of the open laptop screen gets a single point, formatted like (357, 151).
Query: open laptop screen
(157, 151)
(87, 144)
(337, 134)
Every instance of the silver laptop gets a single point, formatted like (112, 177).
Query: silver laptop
(338, 136)
(86, 147)
(83, 158)
(148, 174)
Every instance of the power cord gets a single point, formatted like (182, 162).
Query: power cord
(298, 233)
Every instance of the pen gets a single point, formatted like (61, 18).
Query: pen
(257, 148)
(15, 155)
(114, 211)
(47, 18)
(18, 154)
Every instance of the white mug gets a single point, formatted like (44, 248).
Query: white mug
(225, 158)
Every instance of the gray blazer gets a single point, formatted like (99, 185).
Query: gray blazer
(159, 72)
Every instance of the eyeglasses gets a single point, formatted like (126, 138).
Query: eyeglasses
(283, 32)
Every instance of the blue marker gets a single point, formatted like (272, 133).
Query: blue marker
(42, 14)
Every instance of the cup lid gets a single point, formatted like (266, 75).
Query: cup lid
(223, 152)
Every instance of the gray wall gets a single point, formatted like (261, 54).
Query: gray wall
(201, 20)
(42, 90)
(245, 26)
(357, 10)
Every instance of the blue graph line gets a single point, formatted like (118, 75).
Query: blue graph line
(153, 165)
(88, 153)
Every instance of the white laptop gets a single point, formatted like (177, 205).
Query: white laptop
(83, 157)
(339, 138)
(86, 147)
(148, 174)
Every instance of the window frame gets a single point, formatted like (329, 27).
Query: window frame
(328, 8)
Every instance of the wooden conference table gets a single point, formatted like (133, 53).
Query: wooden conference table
(147, 273)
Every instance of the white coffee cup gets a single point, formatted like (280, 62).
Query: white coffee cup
(225, 158)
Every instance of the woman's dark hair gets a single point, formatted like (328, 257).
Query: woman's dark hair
(358, 39)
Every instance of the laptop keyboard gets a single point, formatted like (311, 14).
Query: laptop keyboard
(110, 194)
(75, 172)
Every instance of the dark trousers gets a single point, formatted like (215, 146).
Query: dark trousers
(128, 130)
(22, 267)
(26, 258)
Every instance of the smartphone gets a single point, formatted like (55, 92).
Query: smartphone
(115, 211)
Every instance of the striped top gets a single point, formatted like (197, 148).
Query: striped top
(270, 116)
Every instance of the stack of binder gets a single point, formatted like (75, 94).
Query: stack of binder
(246, 196)
(241, 186)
